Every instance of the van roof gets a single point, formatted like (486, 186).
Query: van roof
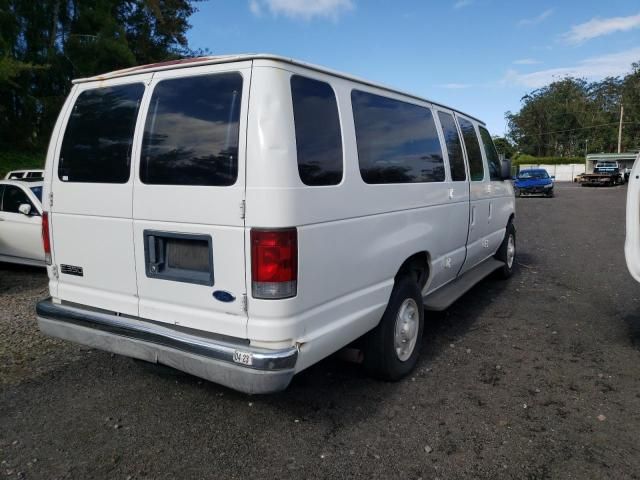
(211, 60)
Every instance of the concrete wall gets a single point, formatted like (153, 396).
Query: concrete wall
(563, 173)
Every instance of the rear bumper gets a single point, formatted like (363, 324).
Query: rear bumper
(187, 350)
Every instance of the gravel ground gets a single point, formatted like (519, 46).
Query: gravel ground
(537, 377)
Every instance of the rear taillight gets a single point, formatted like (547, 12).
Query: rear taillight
(46, 242)
(274, 263)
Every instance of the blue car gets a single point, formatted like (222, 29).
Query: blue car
(533, 181)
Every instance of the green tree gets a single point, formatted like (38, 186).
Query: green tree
(504, 147)
(45, 44)
(572, 117)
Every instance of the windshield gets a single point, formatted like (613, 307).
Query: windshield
(37, 191)
(533, 174)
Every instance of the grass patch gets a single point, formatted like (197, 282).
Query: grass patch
(13, 160)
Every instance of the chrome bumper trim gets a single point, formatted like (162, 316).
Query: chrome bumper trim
(162, 344)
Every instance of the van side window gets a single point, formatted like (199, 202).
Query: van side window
(492, 154)
(192, 130)
(397, 141)
(454, 147)
(97, 142)
(318, 136)
(476, 167)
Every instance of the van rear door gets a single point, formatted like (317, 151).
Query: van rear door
(188, 199)
(91, 193)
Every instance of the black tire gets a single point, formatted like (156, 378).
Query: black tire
(550, 194)
(380, 357)
(506, 270)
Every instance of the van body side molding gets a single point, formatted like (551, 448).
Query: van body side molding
(203, 356)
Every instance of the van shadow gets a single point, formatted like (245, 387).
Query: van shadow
(632, 322)
(343, 391)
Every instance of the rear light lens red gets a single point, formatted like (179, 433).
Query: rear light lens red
(46, 242)
(274, 263)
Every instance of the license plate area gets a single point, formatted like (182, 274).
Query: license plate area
(179, 257)
(244, 358)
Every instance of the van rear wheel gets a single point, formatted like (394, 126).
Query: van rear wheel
(392, 349)
(507, 252)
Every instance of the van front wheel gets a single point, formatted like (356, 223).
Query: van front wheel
(392, 348)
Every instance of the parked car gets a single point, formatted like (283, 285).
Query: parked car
(267, 214)
(20, 222)
(24, 174)
(533, 181)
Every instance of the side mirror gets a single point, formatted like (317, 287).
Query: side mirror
(553, 177)
(25, 209)
(505, 169)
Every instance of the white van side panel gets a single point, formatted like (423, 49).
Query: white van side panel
(352, 237)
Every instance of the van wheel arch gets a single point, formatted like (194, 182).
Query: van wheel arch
(417, 266)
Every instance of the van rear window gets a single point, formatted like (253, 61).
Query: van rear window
(192, 130)
(318, 136)
(97, 143)
(397, 141)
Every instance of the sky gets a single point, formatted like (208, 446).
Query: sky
(478, 56)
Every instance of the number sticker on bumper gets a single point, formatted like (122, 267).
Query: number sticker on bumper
(244, 358)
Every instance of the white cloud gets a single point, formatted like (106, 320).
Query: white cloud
(454, 86)
(595, 68)
(597, 27)
(462, 3)
(305, 9)
(255, 8)
(526, 61)
(535, 20)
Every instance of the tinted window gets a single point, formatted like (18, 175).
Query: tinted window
(35, 175)
(454, 147)
(318, 137)
(191, 133)
(537, 174)
(37, 191)
(12, 199)
(97, 143)
(397, 141)
(474, 155)
(493, 161)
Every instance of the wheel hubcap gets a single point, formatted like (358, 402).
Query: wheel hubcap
(511, 250)
(406, 331)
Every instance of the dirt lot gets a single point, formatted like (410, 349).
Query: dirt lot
(537, 377)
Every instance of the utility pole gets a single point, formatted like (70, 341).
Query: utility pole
(620, 129)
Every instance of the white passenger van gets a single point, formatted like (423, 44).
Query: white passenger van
(242, 217)
(632, 238)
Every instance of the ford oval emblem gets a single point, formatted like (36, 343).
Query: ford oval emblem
(223, 296)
